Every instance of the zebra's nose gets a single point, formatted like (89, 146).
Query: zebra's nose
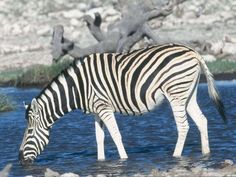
(24, 161)
(21, 156)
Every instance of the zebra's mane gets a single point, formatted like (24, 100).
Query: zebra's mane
(73, 64)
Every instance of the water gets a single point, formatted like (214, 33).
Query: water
(149, 139)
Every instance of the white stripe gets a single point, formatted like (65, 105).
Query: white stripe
(49, 94)
(73, 92)
(44, 98)
(75, 78)
(44, 113)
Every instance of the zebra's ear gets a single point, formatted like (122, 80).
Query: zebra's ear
(35, 106)
(25, 105)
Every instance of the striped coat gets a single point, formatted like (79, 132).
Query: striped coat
(132, 84)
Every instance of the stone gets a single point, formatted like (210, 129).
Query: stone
(5, 172)
(209, 58)
(74, 22)
(228, 162)
(69, 175)
(101, 175)
(82, 7)
(45, 30)
(51, 173)
(91, 12)
(216, 47)
(229, 48)
(74, 13)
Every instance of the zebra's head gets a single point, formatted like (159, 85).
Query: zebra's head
(36, 135)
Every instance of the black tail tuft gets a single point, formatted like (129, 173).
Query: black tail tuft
(221, 109)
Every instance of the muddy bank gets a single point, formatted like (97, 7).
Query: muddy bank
(227, 168)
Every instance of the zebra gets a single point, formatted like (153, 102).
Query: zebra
(132, 84)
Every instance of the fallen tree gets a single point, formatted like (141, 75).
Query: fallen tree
(120, 36)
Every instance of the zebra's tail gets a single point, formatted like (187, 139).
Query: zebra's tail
(212, 90)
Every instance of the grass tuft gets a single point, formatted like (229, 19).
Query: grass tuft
(222, 66)
(5, 103)
(40, 75)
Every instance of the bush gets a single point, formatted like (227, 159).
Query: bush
(222, 66)
(5, 103)
(40, 75)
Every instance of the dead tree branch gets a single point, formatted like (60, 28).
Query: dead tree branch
(120, 37)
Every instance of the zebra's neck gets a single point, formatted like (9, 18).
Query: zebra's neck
(64, 94)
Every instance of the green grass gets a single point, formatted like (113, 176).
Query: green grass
(37, 75)
(222, 66)
(40, 75)
(5, 103)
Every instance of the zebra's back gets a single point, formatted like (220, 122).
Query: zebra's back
(132, 83)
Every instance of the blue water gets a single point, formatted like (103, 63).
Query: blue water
(149, 139)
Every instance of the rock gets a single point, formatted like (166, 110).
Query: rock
(27, 29)
(228, 162)
(96, 3)
(5, 172)
(74, 22)
(16, 29)
(51, 173)
(216, 47)
(69, 175)
(101, 175)
(74, 13)
(110, 11)
(229, 48)
(82, 7)
(209, 58)
(45, 30)
(91, 12)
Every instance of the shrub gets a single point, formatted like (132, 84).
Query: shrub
(5, 103)
(40, 75)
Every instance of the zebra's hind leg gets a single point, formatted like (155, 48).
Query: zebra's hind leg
(100, 136)
(200, 120)
(179, 111)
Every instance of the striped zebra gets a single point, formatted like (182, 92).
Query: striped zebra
(131, 84)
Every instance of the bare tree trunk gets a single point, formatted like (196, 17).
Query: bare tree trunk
(120, 36)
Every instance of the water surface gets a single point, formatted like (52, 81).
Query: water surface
(149, 139)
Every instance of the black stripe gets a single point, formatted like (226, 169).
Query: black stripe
(108, 84)
(85, 88)
(157, 70)
(97, 74)
(71, 84)
(56, 102)
(166, 71)
(46, 111)
(62, 95)
(81, 88)
(114, 82)
(51, 109)
(177, 73)
(181, 83)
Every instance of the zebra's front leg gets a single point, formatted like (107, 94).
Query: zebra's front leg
(182, 127)
(108, 118)
(100, 136)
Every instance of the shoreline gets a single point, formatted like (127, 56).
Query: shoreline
(217, 77)
(220, 77)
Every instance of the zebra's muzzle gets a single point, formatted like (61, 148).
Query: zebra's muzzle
(23, 161)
